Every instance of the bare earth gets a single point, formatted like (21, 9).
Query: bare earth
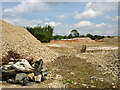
(96, 68)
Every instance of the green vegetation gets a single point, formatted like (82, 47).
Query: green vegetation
(57, 37)
(75, 33)
(70, 36)
(95, 37)
(45, 34)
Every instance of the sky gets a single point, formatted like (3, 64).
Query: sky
(97, 18)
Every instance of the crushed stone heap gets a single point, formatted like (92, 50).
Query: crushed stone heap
(20, 40)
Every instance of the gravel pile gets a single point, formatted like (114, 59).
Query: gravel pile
(18, 39)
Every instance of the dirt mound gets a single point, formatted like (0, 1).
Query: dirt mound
(112, 39)
(83, 39)
(20, 40)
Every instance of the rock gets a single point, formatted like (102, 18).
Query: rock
(6, 67)
(85, 85)
(58, 77)
(45, 73)
(31, 75)
(11, 59)
(11, 80)
(75, 83)
(114, 86)
(38, 65)
(93, 86)
(83, 48)
(20, 76)
(10, 63)
(22, 65)
(38, 78)
(101, 79)
(43, 78)
(7, 74)
(72, 73)
(26, 82)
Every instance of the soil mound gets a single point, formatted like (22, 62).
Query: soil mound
(18, 39)
(83, 39)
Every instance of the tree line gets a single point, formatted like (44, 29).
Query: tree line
(45, 34)
(74, 33)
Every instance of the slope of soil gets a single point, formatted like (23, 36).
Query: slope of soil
(20, 40)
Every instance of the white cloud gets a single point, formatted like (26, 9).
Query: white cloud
(87, 14)
(92, 10)
(53, 24)
(25, 7)
(61, 17)
(102, 6)
(110, 32)
(100, 25)
(47, 19)
(75, 12)
(85, 27)
(23, 22)
(83, 24)
(96, 32)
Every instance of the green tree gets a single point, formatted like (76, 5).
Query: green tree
(90, 36)
(65, 37)
(75, 33)
(82, 36)
(57, 37)
(95, 37)
(44, 34)
(70, 36)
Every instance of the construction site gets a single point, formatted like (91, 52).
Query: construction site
(75, 63)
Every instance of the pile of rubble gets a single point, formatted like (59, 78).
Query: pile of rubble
(23, 71)
(16, 69)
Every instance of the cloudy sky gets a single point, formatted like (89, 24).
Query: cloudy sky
(99, 18)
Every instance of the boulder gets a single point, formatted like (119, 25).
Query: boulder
(22, 65)
(20, 76)
(7, 74)
(31, 76)
(38, 78)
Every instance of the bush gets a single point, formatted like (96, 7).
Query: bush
(95, 37)
(70, 36)
(57, 37)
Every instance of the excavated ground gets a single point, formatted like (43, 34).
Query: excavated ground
(96, 68)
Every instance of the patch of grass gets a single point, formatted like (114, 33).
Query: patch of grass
(69, 81)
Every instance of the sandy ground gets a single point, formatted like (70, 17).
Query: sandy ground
(96, 68)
